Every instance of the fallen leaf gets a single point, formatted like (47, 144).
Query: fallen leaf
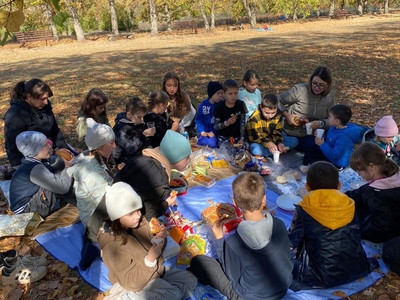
(339, 294)
(14, 294)
(61, 267)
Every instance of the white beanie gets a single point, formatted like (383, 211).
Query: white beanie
(121, 200)
(29, 143)
(97, 134)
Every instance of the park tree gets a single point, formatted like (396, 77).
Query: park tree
(50, 14)
(295, 8)
(114, 20)
(250, 7)
(72, 6)
(153, 17)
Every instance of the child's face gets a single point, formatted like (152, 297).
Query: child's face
(231, 95)
(131, 220)
(99, 109)
(332, 120)
(171, 85)
(46, 151)
(107, 149)
(160, 108)
(217, 96)
(182, 164)
(38, 102)
(385, 139)
(268, 113)
(136, 119)
(251, 85)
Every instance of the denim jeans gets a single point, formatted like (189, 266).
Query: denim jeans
(258, 149)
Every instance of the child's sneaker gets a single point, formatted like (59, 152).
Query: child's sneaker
(8, 258)
(26, 261)
(22, 275)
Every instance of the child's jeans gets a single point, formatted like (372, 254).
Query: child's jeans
(258, 149)
(211, 142)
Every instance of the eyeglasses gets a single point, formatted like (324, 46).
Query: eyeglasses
(319, 85)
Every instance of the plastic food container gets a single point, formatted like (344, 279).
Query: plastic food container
(203, 180)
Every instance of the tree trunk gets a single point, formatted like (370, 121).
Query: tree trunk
(77, 24)
(250, 9)
(341, 4)
(359, 7)
(114, 20)
(365, 6)
(49, 15)
(212, 14)
(386, 11)
(168, 17)
(204, 16)
(153, 17)
(332, 8)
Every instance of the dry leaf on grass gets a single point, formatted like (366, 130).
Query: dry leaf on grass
(339, 294)
(61, 267)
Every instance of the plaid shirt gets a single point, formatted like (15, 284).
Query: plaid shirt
(261, 131)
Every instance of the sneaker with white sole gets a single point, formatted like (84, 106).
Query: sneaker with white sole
(26, 261)
(22, 275)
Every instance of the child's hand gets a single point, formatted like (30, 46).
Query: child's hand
(319, 141)
(239, 144)
(163, 232)
(315, 124)
(211, 134)
(282, 148)
(272, 147)
(231, 120)
(204, 133)
(175, 124)
(149, 132)
(293, 120)
(171, 200)
(218, 228)
(155, 251)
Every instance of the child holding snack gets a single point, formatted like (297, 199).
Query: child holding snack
(249, 92)
(205, 117)
(149, 174)
(338, 145)
(325, 233)
(264, 129)
(157, 104)
(377, 201)
(229, 115)
(181, 112)
(130, 131)
(387, 137)
(253, 262)
(133, 255)
(34, 186)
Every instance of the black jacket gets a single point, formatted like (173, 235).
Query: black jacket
(160, 121)
(149, 179)
(21, 117)
(378, 209)
(330, 254)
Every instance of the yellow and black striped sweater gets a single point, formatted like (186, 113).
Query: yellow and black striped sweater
(261, 131)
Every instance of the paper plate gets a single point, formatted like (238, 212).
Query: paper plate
(287, 201)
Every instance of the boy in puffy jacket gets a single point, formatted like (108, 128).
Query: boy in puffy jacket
(325, 233)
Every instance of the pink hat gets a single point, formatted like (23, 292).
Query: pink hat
(386, 127)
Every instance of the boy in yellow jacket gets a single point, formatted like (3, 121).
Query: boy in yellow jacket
(325, 233)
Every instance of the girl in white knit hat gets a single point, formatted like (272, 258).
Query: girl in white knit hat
(92, 175)
(133, 255)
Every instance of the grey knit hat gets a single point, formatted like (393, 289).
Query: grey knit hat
(29, 143)
(97, 134)
(121, 200)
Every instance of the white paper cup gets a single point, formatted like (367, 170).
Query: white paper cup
(308, 128)
(320, 132)
(276, 156)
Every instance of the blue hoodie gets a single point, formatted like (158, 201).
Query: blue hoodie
(339, 144)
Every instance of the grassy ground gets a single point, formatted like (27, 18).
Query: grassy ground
(363, 54)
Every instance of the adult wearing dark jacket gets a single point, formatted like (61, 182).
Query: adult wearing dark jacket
(149, 175)
(325, 233)
(30, 110)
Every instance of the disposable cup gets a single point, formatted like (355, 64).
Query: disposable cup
(150, 124)
(308, 128)
(276, 156)
(320, 132)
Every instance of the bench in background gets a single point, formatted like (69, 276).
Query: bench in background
(33, 36)
(341, 13)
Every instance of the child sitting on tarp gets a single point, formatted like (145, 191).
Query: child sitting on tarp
(34, 186)
(131, 134)
(386, 135)
(325, 233)
(133, 254)
(253, 262)
(338, 144)
(230, 116)
(264, 129)
(207, 135)
(149, 174)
